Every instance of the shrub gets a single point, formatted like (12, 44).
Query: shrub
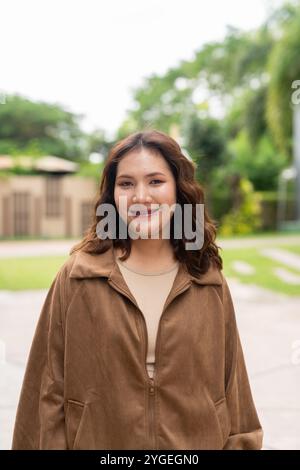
(244, 217)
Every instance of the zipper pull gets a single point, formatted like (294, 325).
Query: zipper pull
(151, 386)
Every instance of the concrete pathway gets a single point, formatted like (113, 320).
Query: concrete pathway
(20, 249)
(283, 256)
(242, 267)
(264, 241)
(269, 325)
(287, 276)
(12, 249)
(19, 312)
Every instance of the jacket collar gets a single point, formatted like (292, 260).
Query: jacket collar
(88, 265)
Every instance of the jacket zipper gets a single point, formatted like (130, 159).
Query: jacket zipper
(151, 380)
(151, 395)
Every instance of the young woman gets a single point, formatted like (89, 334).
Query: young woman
(137, 345)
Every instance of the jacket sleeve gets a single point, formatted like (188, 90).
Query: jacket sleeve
(245, 431)
(40, 420)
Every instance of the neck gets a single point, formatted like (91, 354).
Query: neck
(151, 249)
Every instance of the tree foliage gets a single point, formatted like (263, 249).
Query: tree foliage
(38, 128)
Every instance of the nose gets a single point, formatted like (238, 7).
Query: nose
(141, 194)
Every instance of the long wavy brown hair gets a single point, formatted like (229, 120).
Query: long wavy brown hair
(188, 191)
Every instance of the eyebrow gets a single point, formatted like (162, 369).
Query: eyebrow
(149, 174)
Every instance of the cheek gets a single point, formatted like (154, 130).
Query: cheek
(119, 193)
(168, 194)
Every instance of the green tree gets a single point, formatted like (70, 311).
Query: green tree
(206, 145)
(38, 128)
(284, 68)
(261, 162)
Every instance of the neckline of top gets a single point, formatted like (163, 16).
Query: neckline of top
(148, 274)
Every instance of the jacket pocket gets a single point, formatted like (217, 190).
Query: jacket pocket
(223, 418)
(73, 418)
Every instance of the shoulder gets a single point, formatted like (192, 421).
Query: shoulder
(215, 276)
(227, 302)
(62, 283)
(66, 268)
(216, 273)
(63, 273)
(82, 265)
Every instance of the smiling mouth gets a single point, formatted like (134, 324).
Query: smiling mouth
(145, 214)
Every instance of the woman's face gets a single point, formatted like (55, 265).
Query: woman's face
(144, 181)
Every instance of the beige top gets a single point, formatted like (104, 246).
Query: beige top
(150, 291)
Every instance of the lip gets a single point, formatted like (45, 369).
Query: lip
(144, 216)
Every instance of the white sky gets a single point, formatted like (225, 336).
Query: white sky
(88, 54)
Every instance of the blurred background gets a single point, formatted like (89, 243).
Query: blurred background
(223, 79)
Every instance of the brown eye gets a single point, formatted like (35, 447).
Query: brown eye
(159, 181)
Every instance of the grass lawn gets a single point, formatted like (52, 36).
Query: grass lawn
(293, 249)
(39, 272)
(29, 273)
(264, 275)
(262, 235)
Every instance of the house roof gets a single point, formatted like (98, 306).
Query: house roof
(47, 164)
(55, 164)
(5, 162)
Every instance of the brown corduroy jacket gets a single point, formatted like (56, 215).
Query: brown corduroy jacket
(86, 384)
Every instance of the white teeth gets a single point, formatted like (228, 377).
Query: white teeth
(142, 213)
